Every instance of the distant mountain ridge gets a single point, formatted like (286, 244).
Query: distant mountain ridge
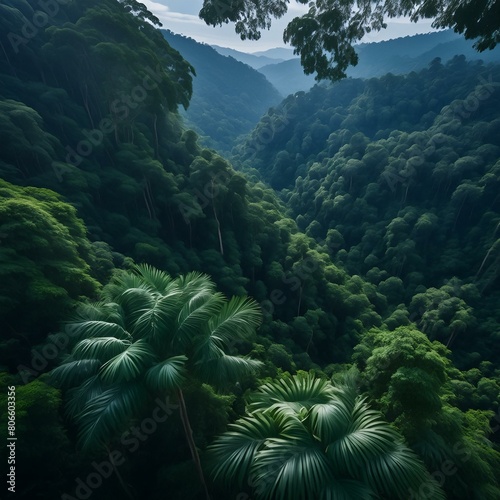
(397, 56)
(255, 61)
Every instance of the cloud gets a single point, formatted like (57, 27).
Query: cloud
(155, 7)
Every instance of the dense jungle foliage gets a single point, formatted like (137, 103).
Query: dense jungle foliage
(319, 323)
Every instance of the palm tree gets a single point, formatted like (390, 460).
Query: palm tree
(148, 336)
(306, 438)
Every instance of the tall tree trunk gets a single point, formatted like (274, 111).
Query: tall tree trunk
(218, 223)
(190, 440)
(119, 476)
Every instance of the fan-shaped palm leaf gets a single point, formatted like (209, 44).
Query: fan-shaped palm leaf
(74, 372)
(329, 421)
(292, 393)
(129, 364)
(134, 302)
(108, 414)
(88, 311)
(331, 445)
(232, 454)
(167, 375)
(103, 348)
(121, 281)
(395, 473)
(292, 465)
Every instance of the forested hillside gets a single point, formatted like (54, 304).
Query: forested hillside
(401, 175)
(333, 302)
(229, 97)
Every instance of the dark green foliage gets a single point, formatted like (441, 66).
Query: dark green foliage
(399, 177)
(365, 236)
(306, 438)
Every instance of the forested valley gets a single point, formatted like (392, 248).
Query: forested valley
(307, 311)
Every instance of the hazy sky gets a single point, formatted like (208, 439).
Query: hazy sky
(181, 16)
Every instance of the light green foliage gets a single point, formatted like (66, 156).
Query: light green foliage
(46, 259)
(416, 387)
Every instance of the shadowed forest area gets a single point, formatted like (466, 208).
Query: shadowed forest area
(310, 314)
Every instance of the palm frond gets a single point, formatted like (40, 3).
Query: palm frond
(238, 318)
(194, 283)
(79, 397)
(295, 393)
(366, 437)
(292, 466)
(159, 281)
(102, 348)
(129, 364)
(157, 322)
(108, 414)
(231, 455)
(134, 302)
(87, 311)
(97, 328)
(397, 472)
(74, 372)
(121, 281)
(224, 369)
(194, 314)
(329, 421)
(167, 375)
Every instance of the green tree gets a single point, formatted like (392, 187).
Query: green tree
(45, 261)
(150, 335)
(305, 437)
(325, 35)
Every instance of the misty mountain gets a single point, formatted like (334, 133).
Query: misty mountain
(256, 60)
(229, 97)
(398, 56)
(277, 53)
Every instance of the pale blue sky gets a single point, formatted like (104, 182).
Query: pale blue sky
(181, 16)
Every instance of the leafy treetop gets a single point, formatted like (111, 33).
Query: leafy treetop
(325, 35)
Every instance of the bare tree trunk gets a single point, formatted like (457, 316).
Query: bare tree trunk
(218, 223)
(190, 440)
(119, 476)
